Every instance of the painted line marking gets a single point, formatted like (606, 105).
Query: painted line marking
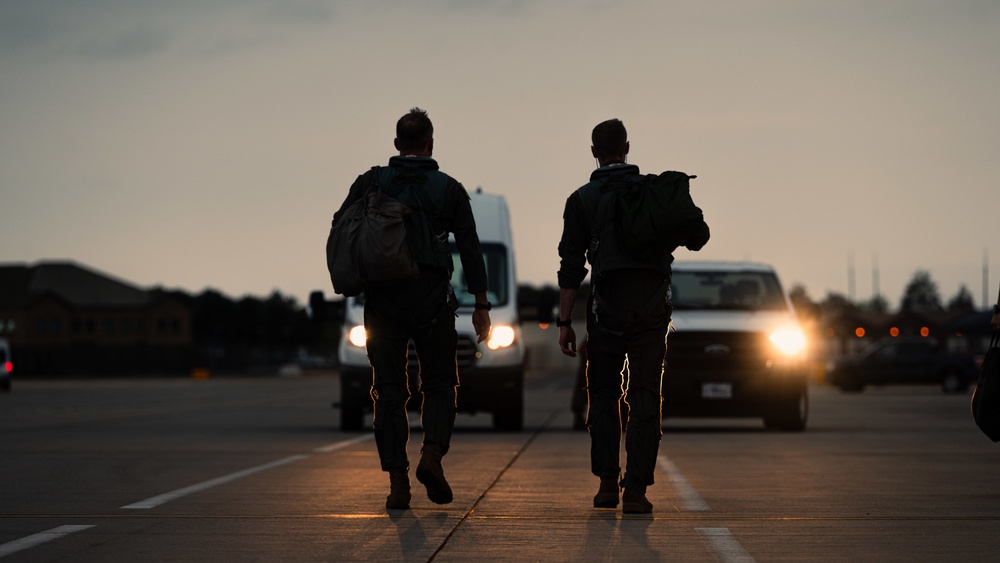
(40, 538)
(687, 496)
(725, 545)
(344, 444)
(153, 502)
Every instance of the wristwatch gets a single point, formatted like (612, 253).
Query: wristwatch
(561, 323)
(484, 306)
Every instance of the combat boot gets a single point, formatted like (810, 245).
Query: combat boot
(399, 489)
(634, 501)
(431, 474)
(607, 494)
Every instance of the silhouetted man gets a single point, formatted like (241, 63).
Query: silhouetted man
(628, 314)
(422, 310)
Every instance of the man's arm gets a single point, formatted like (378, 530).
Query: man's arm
(567, 336)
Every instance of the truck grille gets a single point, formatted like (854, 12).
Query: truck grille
(716, 350)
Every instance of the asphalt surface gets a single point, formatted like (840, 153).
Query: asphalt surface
(255, 469)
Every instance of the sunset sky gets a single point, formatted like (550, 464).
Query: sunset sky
(195, 144)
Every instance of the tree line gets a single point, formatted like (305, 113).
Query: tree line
(253, 331)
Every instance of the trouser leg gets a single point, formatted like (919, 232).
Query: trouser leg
(642, 435)
(435, 345)
(605, 360)
(387, 355)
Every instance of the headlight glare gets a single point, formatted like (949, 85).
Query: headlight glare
(358, 336)
(789, 340)
(500, 337)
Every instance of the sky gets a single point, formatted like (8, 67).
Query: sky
(198, 144)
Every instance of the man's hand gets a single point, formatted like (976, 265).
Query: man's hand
(481, 321)
(567, 341)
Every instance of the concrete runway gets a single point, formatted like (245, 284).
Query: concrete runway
(255, 469)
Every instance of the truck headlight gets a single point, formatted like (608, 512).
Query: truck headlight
(358, 336)
(501, 336)
(789, 340)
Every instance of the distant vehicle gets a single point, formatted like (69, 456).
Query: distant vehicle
(6, 365)
(903, 360)
(736, 349)
(491, 374)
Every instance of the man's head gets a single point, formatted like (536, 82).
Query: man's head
(415, 133)
(610, 141)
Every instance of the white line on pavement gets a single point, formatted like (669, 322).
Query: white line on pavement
(40, 538)
(343, 444)
(725, 545)
(688, 497)
(153, 502)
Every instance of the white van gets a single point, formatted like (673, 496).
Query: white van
(6, 365)
(491, 373)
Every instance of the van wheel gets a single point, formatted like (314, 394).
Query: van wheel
(511, 419)
(351, 418)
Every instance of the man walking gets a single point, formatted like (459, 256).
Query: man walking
(627, 317)
(421, 310)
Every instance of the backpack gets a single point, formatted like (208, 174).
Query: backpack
(367, 244)
(424, 193)
(649, 214)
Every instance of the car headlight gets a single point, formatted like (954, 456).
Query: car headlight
(789, 340)
(358, 336)
(501, 336)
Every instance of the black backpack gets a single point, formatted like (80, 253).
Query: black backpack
(367, 244)
(651, 214)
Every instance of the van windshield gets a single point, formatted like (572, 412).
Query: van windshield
(727, 291)
(496, 272)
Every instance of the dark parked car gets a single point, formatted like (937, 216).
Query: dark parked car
(904, 360)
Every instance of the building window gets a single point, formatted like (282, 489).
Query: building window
(89, 326)
(109, 325)
(161, 325)
(175, 325)
(76, 326)
(10, 325)
(41, 326)
(55, 326)
(140, 326)
(126, 326)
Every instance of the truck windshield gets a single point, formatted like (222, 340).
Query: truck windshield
(727, 291)
(496, 272)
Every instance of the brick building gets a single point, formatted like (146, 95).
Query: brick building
(63, 318)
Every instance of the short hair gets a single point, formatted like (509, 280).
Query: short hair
(414, 130)
(609, 138)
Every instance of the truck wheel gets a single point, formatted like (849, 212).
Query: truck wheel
(791, 416)
(952, 382)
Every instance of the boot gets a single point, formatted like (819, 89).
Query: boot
(607, 495)
(399, 489)
(431, 474)
(634, 501)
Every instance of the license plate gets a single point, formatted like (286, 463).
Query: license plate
(717, 391)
